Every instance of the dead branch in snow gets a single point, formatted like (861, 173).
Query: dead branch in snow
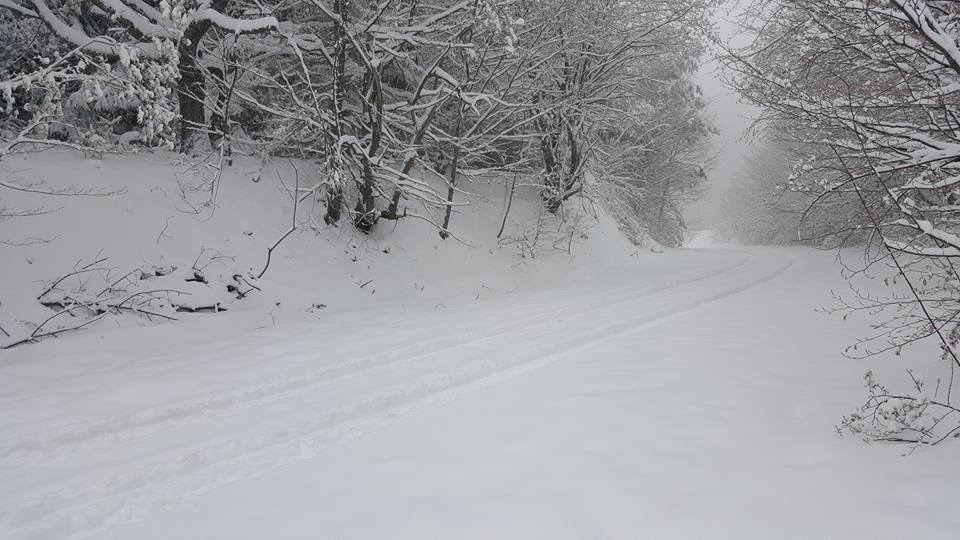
(100, 309)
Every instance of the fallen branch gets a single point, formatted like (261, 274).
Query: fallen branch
(100, 308)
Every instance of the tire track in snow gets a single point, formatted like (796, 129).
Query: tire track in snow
(85, 507)
(61, 444)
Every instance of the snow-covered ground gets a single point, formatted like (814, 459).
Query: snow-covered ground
(153, 212)
(689, 395)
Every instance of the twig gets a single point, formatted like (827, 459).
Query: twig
(506, 212)
(85, 268)
(164, 230)
(293, 225)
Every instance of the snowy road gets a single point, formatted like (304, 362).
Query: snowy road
(693, 397)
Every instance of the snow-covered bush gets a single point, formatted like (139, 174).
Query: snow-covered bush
(920, 415)
(65, 93)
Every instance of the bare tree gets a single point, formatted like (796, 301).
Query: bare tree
(871, 89)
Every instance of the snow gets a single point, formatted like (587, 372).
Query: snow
(147, 220)
(237, 26)
(632, 405)
(76, 36)
(606, 393)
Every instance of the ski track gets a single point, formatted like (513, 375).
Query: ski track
(86, 505)
(55, 445)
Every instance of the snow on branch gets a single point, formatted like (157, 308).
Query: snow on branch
(17, 8)
(232, 24)
(919, 14)
(141, 24)
(98, 45)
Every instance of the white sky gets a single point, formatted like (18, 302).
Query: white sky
(732, 119)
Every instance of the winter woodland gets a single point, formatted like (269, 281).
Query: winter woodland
(235, 235)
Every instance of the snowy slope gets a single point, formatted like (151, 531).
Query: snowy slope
(160, 211)
(691, 397)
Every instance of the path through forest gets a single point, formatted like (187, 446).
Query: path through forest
(693, 400)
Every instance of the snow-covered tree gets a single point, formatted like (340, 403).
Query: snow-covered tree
(611, 98)
(110, 57)
(383, 96)
(872, 88)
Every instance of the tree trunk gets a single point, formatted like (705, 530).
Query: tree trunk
(366, 209)
(553, 191)
(451, 188)
(334, 205)
(335, 201)
(191, 95)
(192, 87)
(393, 211)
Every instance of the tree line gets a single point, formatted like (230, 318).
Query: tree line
(385, 97)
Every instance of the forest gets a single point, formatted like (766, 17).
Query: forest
(479, 268)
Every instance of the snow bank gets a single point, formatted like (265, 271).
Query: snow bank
(140, 213)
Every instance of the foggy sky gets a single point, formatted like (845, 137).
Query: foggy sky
(729, 147)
